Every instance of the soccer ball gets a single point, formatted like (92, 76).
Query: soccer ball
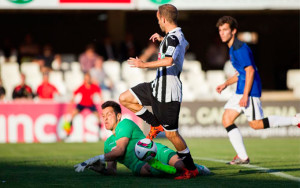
(145, 149)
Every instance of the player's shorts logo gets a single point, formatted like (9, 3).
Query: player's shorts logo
(20, 1)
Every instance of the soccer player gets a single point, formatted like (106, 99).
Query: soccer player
(119, 147)
(164, 94)
(87, 91)
(247, 97)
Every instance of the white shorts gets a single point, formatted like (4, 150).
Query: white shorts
(253, 111)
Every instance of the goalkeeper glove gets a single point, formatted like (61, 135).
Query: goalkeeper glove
(81, 166)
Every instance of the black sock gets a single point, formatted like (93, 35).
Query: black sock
(149, 118)
(230, 127)
(266, 123)
(187, 160)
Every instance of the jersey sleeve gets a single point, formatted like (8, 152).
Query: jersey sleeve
(77, 90)
(244, 56)
(125, 129)
(172, 43)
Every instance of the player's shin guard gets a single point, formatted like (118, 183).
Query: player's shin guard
(156, 164)
(187, 159)
(148, 117)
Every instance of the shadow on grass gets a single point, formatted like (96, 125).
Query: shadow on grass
(36, 175)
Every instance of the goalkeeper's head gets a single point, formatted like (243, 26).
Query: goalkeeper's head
(111, 114)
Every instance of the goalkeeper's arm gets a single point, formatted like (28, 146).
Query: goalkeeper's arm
(110, 170)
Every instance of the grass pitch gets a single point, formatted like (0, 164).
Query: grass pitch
(37, 165)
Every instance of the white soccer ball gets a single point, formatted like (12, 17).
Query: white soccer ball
(145, 149)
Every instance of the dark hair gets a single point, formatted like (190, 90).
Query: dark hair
(169, 12)
(228, 19)
(114, 105)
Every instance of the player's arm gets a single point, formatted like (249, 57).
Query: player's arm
(118, 151)
(248, 85)
(136, 62)
(111, 156)
(228, 82)
(157, 37)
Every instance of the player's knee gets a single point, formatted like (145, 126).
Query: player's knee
(226, 122)
(254, 125)
(122, 98)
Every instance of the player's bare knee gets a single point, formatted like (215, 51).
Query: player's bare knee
(226, 122)
(122, 98)
(255, 125)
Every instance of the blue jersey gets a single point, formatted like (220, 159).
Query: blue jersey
(241, 57)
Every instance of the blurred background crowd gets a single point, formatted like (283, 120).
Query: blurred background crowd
(45, 53)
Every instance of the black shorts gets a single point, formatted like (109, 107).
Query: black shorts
(166, 113)
(81, 107)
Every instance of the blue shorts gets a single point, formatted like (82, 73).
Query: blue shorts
(81, 107)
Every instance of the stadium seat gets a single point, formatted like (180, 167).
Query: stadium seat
(293, 78)
(132, 75)
(192, 66)
(56, 78)
(73, 80)
(10, 77)
(30, 68)
(113, 70)
(75, 67)
(215, 78)
(150, 75)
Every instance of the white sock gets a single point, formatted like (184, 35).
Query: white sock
(142, 111)
(237, 142)
(279, 121)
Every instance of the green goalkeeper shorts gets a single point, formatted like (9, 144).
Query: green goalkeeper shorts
(164, 154)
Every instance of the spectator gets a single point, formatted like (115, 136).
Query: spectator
(22, 91)
(129, 48)
(8, 49)
(88, 58)
(28, 50)
(107, 49)
(46, 90)
(87, 91)
(150, 53)
(46, 58)
(99, 76)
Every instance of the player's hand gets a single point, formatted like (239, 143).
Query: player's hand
(155, 37)
(81, 166)
(135, 62)
(220, 88)
(244, 101)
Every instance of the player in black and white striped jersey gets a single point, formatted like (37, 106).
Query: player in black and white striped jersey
(164, 93)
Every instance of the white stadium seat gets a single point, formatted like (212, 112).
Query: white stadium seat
(10, 77)
(132, 75)
(293, 78)
(56, 78)
(113, 70)
(73, 80)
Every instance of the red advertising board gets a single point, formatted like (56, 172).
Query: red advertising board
(43, 122)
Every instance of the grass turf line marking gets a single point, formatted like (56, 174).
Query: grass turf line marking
(267, 170)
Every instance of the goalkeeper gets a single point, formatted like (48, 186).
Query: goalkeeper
(119, 147)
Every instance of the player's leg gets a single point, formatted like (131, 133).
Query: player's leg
(235, 136)
(256, 118)
(232, 111)
(68, 126)
(168, 114)
(135, 99)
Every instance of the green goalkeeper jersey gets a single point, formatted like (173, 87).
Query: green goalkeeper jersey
(126, 128)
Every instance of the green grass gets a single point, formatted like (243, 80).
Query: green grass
(48, 165)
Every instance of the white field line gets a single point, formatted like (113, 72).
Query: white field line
(267, 170)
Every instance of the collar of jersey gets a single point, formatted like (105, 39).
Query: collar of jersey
(175, 29)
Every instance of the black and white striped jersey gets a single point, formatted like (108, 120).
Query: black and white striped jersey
(167, 86)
